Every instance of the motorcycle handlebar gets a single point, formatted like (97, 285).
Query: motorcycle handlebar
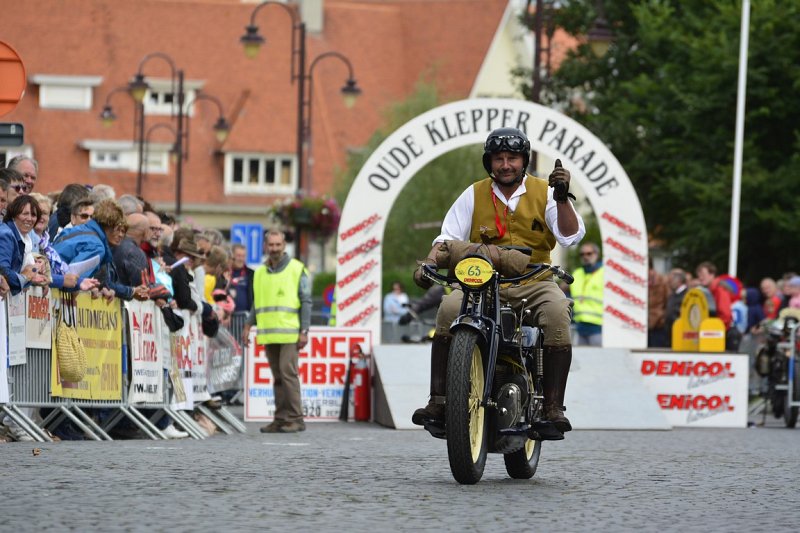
(535, 268)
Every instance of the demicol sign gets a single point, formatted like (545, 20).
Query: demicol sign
(467, 122)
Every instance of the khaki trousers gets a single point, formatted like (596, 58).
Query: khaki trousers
(550, 309)
(283, 361)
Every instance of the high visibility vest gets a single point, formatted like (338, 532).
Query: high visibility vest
(526, 226)
(277, 303)
(587, 291)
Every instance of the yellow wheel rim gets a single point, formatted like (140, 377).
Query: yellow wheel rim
(530, 445)
(476, 411)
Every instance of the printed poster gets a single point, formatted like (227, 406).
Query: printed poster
(144, 320)
(224, 362)
(99, 326)
(38, 328)
(322, 369)
(16, 329)
(181, 367)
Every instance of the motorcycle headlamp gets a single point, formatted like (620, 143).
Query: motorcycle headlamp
(474, 272)
(506, 143)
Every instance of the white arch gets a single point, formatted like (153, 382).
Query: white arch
(468, 122)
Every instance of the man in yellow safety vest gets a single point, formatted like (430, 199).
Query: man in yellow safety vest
(282, 314)
(587, 292)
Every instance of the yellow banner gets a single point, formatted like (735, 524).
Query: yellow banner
(99, 326)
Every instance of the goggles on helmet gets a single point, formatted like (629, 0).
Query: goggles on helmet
(506, 143)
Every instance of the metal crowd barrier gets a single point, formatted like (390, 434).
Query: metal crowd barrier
(29, 387)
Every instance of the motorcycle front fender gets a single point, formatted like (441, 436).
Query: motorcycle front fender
(474, 323)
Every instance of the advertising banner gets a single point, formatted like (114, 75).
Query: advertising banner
(37, 312)
(16, 329)
(697, 389)
(99, 327)
(181, 367)
(322, 369)
(199, 366)
(3, 355)
(144, 320)
(224, 362)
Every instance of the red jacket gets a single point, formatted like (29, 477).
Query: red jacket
(723, 299)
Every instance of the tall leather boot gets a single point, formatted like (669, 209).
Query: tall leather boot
(434, 411)
(557, 360)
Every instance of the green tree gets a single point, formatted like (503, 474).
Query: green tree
(664, 99)
(415, 219)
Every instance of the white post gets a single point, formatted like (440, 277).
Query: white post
(737, 150)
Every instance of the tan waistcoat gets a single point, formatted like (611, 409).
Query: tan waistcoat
(524, 227)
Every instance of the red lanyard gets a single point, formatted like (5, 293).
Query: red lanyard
(501, 227)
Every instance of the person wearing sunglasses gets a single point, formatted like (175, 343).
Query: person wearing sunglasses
(15, 184)
(587, 293)
(511, 207)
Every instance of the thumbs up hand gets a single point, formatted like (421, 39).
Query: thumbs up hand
(559, 180)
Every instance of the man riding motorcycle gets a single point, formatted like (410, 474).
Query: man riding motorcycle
(512, 208)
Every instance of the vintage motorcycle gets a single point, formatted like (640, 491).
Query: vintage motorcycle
(776, 361)
(494, 401)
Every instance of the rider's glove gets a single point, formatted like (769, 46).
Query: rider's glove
(420, 279)
(559, 180)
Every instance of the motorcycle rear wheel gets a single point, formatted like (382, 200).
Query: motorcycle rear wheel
(464, 415)
(522, 463)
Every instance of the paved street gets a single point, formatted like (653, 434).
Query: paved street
(361, 477)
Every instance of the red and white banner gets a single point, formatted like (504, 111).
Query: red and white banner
(144, 323)
(697, 389)
(38, 327)
(322, 369)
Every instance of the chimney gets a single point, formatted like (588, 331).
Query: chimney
(311, 14)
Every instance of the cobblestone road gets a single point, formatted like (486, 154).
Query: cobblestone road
(362, 477)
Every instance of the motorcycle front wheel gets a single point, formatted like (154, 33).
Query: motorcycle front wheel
(522, 463)
(464, 415)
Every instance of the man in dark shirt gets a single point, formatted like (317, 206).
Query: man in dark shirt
(241, 286)
(129, 259)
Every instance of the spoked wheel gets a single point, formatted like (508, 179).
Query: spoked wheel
(464, 415)
(522, 463)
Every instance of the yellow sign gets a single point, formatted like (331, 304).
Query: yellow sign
(712, 335)
(474, 271)
(99, 326)
(686, 330)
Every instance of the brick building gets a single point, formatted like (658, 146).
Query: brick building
(77, 52)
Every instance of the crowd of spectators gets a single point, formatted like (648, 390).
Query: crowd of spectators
(86, 238)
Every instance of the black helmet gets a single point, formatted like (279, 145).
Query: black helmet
(506, 140)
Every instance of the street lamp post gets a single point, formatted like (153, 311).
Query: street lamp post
(350, 92)
(252, 42)
(138, 89)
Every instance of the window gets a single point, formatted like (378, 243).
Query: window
(260, 173)
(162, 98)
(9, 153)
(124, 156)
(65, 92)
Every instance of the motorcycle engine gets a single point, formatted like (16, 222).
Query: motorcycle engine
(511, 396)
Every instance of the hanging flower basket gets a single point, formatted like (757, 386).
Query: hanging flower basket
(318, 216)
